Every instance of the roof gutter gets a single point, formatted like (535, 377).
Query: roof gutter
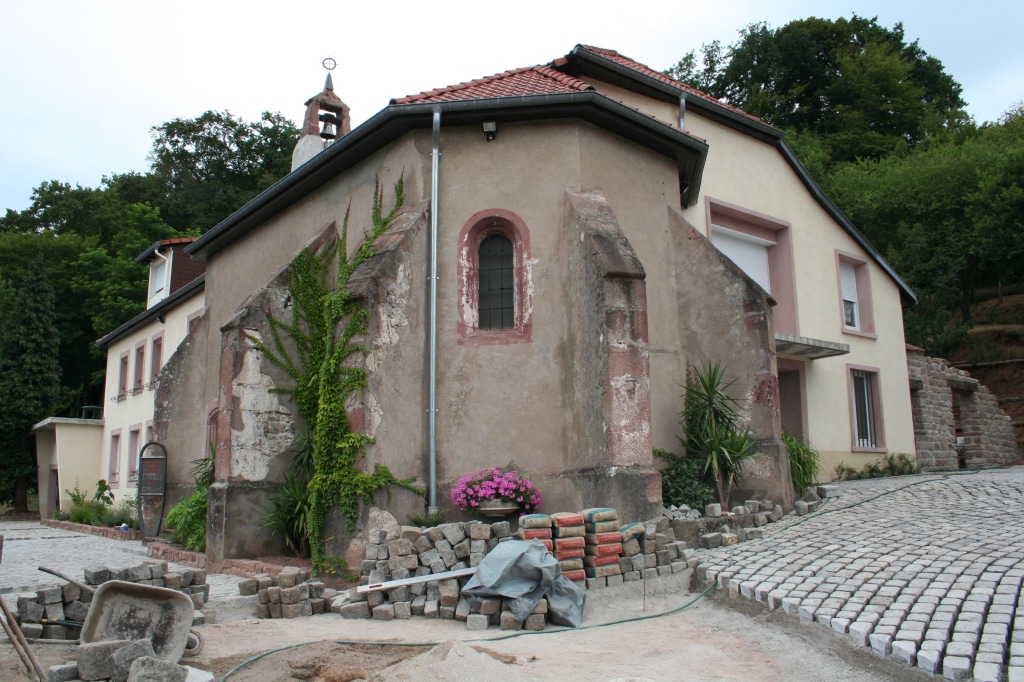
(670, 93)
(398, 119)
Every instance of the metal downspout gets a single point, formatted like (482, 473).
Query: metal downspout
(435, 156)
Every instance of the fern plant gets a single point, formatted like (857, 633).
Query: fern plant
(187, 519)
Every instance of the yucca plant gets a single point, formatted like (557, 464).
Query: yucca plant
(711, 427)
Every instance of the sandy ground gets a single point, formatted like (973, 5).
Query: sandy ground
(715, 639)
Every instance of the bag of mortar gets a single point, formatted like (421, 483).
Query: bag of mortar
(523, 573)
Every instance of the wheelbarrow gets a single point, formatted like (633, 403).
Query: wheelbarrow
(123, 610)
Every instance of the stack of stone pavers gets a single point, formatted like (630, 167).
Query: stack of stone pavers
(290, 595)
(753, 512)
(603, 542)
(69, 604)
(45, 616)
(569, 544)
(637, 551)
(123, 660)
(190, 581)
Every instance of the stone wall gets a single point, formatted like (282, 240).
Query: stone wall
(937, 393)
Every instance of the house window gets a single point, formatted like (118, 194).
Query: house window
(855, 295)
(156, 357)
(761, 246)
(114, 468)
(747, 251)
(866, 409)
(149, 432)
(140, 367)
(122, 377)
(157, 281)
(134, 435)
(496, 308)
(494, 273)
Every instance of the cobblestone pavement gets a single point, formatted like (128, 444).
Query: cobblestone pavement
(924, 569)
(28, 545)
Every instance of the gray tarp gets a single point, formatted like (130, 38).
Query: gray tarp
(524, 573)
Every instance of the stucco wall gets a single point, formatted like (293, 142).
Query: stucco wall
(745, 172)
(138, 408)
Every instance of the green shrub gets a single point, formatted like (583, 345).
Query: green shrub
(804, 463)
(895, 464)
(683, 481)
(89, 513)
(289, 513)
(187, 521)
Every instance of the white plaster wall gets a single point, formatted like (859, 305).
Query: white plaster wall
(135, 409)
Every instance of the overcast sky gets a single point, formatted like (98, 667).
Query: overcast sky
(82, 82)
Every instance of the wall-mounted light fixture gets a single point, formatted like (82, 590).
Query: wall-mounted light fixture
(490, 129)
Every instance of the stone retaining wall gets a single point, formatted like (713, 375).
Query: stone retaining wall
(937, 393)
(103, 531)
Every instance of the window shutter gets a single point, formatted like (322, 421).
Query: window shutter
(749, 253)
(848, 281)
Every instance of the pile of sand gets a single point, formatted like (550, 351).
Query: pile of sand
(453, 661)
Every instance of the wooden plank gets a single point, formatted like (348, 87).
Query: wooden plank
(447, 575)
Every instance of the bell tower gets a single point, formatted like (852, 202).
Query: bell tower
(327, 109)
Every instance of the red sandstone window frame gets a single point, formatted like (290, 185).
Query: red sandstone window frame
(781, 264)
(134, 445)
(156, 356)
(140, 366)
(114, 465)
(875, 412)
(480, 225)
(865, 309)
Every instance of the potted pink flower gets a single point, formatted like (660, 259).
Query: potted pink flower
(493, 492)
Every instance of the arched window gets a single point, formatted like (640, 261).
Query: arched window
(496, 309)
(494, 274)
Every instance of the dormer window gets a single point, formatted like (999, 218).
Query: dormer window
(158, 281)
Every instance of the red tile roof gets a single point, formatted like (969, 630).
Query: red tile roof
(531, 80)
(622, 60)
(177, 240)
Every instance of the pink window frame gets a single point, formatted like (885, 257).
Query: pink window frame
(114, 465)
(134, 434)
(140, 366)
(876, 409)
(480, 225)
(156, 356)
(781, 266)
(865, 309)
(122, 377)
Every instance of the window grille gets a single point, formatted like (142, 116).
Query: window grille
(496, 307)
(863, 405)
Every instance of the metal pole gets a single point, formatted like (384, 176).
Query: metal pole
(435, 157)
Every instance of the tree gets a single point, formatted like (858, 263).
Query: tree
(30, 388)
(210, 166)
(949, 215)
(856, 84)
